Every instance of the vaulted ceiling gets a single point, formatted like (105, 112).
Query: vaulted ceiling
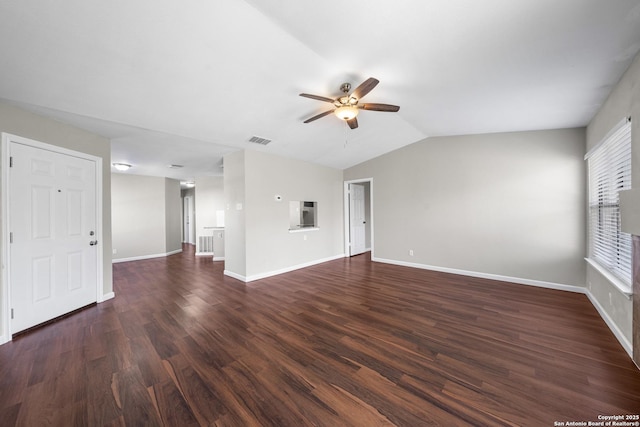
(186, 82)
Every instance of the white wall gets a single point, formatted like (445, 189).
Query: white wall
(22, 123)
(209, 192)
(623, 101)
(507, 204)
(146, 216)
(269, 246)
(235, 244)
(173, 215)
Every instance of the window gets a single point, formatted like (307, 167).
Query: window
(609, 166)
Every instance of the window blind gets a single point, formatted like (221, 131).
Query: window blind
(609, 166)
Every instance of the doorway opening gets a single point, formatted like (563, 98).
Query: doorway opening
(189, 219)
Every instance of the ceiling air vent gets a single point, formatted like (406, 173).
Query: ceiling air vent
(259, 140)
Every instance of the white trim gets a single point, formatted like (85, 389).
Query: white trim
(5, 332)
(625, 289)
(106, 297)
(142, 257)
(100, 246)
(211, 254)
(300, 230)
(235, 275)
(7, 139)
(346, 207)
(626, 344)
(518, 280)
(282, 270)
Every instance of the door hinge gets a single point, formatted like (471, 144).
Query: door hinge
(11, 161)
(11, 237)
(12, 313)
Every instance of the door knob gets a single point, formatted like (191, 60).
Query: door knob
(93, 243)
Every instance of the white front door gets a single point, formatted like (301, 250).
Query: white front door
(53, 242)
(357, 224)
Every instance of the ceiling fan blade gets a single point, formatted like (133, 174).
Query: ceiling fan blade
(353, 123)
(365, 87)
(318, 97)
(319, 116)
(379, 107)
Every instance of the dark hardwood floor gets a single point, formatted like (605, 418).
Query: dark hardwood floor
(345, 343)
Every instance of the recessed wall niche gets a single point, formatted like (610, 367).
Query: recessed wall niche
(302, 215)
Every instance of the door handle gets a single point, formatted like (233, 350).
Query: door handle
(93, 243)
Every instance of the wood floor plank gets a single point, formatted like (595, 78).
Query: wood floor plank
(344, 343)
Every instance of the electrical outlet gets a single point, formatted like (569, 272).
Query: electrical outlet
(305, 237)
(410, 252)
(115, 251)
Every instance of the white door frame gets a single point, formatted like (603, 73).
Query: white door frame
(5, 293)
(347, 226)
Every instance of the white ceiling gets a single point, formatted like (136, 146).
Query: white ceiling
(186, 82)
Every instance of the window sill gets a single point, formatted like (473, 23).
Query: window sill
(623, 287)
(299, 230)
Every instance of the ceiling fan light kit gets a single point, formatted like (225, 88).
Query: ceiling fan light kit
(346, 112)
(346, 106)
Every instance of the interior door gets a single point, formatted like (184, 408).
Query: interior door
(53, 242)
(357, 224)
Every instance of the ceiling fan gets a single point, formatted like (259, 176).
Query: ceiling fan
(347, 105)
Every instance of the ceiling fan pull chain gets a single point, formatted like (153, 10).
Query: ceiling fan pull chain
(345, 135)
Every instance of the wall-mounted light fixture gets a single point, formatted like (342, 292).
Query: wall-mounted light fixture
(121, 166)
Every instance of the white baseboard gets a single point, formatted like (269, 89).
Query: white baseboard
(529, 282)
(139, 258)
(211, 254)
(235, 275)
(106, 297)
(282, 270)
(626, 344)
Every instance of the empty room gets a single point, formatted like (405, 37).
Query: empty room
(299, 213)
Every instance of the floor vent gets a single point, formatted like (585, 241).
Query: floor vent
(205, 244)
(259, 140)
